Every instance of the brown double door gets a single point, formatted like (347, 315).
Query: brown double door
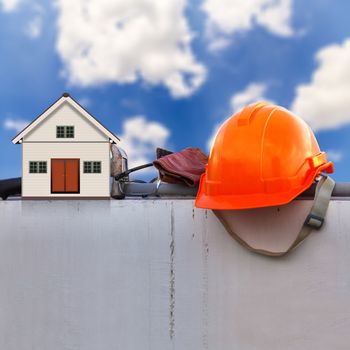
(65, 175)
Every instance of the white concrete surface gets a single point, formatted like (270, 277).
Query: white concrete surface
(158, 274)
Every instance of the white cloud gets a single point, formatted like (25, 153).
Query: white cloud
(324, 101)
(34, 28)
(103, 41)
(86, 102)
(140, 138)
(219, 44)
(334, 155)
(212, 136)
(228, 17)
(9, 5)
(275, 16)
(15, 124)
(254, 92)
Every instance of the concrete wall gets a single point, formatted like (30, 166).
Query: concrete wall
(158, 274)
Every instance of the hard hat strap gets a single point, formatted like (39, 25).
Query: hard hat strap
(323, 194)
(314, 220)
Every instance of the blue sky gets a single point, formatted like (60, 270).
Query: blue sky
(167, 73)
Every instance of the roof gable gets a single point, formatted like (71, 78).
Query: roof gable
(66, 98)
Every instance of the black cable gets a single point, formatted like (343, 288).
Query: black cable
(127, 172)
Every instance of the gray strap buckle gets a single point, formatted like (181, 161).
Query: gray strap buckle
(314, 221)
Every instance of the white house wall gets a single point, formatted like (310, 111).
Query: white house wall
(65, 115)
(39, 185)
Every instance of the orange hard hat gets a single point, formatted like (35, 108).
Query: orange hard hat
(263, 155)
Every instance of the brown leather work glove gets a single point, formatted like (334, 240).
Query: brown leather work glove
(185, 166)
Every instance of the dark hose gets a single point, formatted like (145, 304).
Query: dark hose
(127, 172)
(10, 187)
